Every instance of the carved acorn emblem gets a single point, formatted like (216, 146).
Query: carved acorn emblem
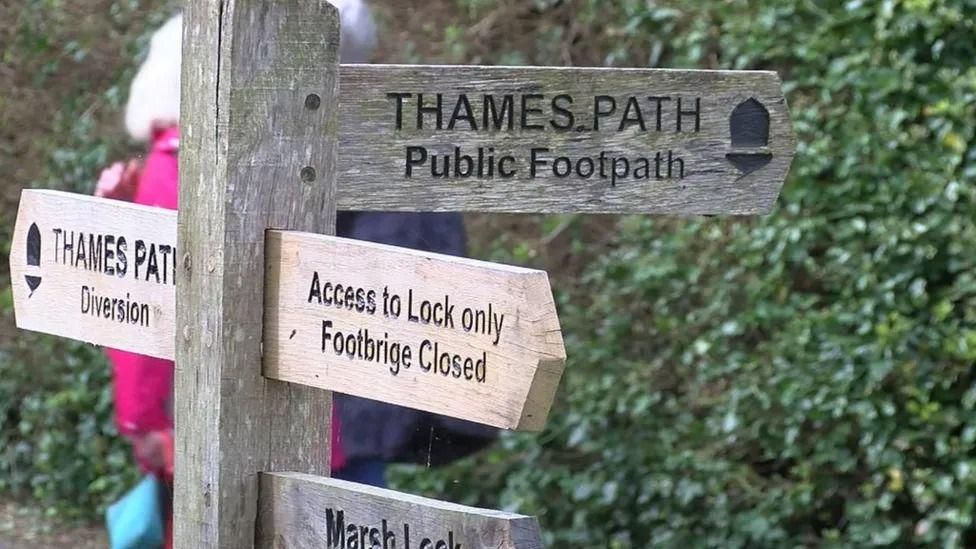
(33, 256)
(749, 127)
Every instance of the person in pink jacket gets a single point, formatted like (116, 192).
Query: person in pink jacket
(142, 385)
(366, 435)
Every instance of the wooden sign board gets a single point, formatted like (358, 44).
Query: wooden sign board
(463, 338)
(298, 510)
(95, 270)
(459, 337)
(587, 140)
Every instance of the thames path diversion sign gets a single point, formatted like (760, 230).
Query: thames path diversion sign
(95, 270)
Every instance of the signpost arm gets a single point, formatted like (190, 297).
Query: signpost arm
(259, 123)
(307, 511)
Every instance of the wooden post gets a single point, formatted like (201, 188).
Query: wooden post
(259, 119)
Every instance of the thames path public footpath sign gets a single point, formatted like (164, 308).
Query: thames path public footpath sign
(455, 336)
(542, 139)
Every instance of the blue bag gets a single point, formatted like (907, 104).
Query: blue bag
(136, 520)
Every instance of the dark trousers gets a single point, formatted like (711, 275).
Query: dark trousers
(371, 471)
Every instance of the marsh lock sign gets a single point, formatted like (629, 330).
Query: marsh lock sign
(366, 517)
(259, 311)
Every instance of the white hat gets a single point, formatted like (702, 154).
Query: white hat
(358, 30)
(154, 99)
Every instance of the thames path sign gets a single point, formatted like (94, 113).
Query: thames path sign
(95, 270)
(540, 139)
(455, 336)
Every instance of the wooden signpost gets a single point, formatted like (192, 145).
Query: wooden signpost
(95, 270)
(263, 316)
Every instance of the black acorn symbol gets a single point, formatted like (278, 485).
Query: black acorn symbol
(749, 125)
(33, 257)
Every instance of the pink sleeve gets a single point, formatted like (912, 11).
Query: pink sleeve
(143, 386)
(143, 392)
(338, 456)
(159, 182)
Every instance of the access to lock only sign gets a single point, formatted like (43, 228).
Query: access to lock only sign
(430, 356)
(466, 338)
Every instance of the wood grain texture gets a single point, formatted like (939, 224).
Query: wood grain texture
(373, 151)
(104, 271)
(299, 511)
(249, 144)
(472, 340)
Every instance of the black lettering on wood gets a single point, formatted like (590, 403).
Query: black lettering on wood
(632, 116)
(315, 289)
(658, 100)
(399, 97)
(335, 529)
(437, 110)
(467, 115)
(696, 112)
(560, 108)
(495, 118)
(67, 249)
(121, 253)
(110, 268)
(57, 246)
(603, 106)
(416, 156)
(535, 162)
(527, 110)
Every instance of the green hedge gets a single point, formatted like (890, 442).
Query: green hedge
(58, 444)
(801, 379)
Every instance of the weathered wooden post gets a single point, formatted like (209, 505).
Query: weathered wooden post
(260, 83)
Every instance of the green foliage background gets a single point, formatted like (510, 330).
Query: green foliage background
(64, 81)
(803, 379)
